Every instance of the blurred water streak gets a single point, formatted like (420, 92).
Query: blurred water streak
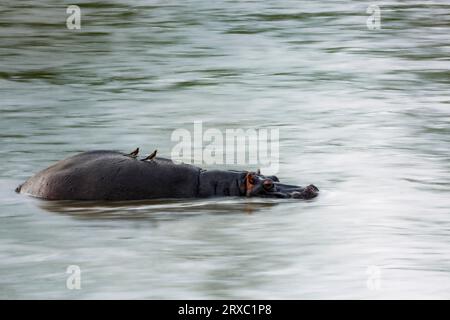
(363, 114)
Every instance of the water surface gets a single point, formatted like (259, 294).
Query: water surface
(363, 114)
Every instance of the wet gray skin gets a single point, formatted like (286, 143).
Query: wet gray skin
(112, 175)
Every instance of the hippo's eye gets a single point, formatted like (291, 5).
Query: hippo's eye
(268, 184)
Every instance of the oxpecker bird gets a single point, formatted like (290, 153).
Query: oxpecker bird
(151, 156)
(134, 154)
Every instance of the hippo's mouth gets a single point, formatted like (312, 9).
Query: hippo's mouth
(306, 193)
(309, 192)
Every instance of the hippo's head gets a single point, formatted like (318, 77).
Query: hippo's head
(257, 185)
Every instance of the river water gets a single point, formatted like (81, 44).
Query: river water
(363, 114)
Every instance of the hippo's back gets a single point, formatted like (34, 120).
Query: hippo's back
(111, 175)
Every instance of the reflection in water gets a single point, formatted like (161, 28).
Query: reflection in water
(154, 209)
(363, 114)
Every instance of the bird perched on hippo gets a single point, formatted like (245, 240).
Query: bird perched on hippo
(117, 176)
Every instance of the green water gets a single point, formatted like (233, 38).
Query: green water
(363, 114)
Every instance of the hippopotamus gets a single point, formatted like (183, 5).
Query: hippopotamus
(118, 176)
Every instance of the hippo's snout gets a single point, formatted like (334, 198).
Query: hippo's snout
(263, 186)
(309, 192)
